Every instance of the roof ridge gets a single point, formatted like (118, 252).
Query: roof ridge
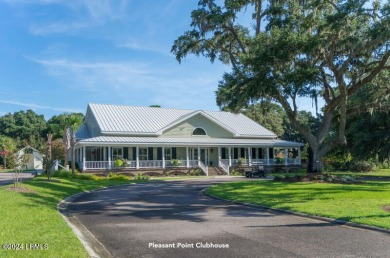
(171, 108)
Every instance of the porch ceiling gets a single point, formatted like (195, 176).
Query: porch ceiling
(194, 141)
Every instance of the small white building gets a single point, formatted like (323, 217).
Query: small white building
(34, 158)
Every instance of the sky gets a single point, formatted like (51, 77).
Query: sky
(57, 56)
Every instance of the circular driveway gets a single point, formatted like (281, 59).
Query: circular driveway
(174, 219)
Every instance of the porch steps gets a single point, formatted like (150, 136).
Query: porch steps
(216, 171)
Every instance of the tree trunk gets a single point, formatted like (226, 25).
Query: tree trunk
(73, 161)
(315, 164)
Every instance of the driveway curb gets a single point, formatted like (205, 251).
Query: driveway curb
(280, 211)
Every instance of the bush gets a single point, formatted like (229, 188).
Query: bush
(113, 176)
(363, 166)
(175, 162)
(195, 172)
(236, 172)
(86, 177)
(278, 177)
(139, 176)
(64, 174)
(118, 163)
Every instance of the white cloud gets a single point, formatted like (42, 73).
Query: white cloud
(80, 14)
(34, 106)
(137, 83)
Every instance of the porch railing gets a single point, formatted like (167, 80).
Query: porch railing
(224, 164)
(204, 168)
(98, 164)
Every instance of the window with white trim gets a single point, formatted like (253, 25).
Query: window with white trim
(168, 153)
(199, 131)
(117, 153)
(143, 154)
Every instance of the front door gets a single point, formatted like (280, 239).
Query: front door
(204, 155)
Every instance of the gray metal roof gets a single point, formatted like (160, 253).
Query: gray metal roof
(195, 141)
(150, 120)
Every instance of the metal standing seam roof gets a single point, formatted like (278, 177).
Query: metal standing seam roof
(136, 119)
(117, 140)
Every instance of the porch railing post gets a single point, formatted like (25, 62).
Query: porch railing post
(137, 157)
(109, 157)
(198, 156)
(285, 156)
(230, 156)
(219, 156)
(267, 155)
(188, 158)
(163, 156)
(84, 158)
(249, 156)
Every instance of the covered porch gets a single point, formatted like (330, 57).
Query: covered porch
(99, 156)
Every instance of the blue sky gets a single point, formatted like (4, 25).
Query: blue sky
(59, 55)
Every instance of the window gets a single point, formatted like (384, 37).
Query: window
(168, 153)
(117, 153)
(199, 131)
(143, 154)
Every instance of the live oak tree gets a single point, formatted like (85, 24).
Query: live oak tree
(325, 49)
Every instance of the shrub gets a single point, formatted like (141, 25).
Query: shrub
(287, 176)
(195, 172)
(118, 163)
(278, 177)
(363, 166)
(86, 177)
(113, 176)
(139, 176)
(236, 172)
(241, 161)
(175, 162)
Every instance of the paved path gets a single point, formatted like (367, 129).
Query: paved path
(7, 178)
(127, 219)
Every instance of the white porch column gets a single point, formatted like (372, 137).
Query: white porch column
(198, 156)
(230, 156)
(104, 154)
(137, 157)
(285, 156)
(84, 158)
(299, 155)
(267, 150)
(188, 158)
(163, 156)
(250, 156)
(219, 156)
(109, 157)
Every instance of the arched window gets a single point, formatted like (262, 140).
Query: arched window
(199, 131)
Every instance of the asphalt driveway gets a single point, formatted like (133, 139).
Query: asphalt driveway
(138, 220)
(7, 178)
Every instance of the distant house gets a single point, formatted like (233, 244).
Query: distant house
(160, 138)
(34, 159)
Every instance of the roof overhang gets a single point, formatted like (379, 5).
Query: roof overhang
(185, 142)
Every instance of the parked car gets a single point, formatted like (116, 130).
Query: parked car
(257, 171)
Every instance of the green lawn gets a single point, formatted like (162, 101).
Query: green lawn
(27, 218)
(360, 203)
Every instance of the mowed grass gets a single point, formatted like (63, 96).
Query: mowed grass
(359, 203)
(32, 218)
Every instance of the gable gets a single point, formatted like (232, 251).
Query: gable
(186, 128)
